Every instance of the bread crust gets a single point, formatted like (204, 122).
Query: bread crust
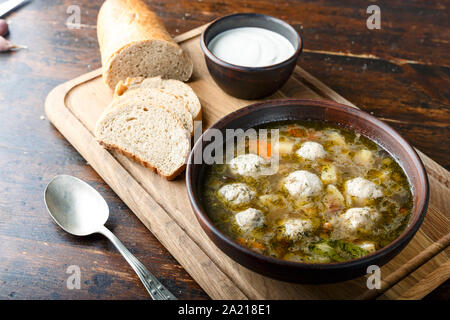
(124, 23)
(135, 157)
(142, 162)
(132, 82)
(185, 117)
(122, 86)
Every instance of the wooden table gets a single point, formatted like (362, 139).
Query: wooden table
(399, 73)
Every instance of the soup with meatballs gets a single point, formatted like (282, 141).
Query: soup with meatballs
(334, 196)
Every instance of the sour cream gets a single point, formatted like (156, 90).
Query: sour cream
(251, 47)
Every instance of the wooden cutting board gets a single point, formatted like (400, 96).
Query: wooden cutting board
(164, 208)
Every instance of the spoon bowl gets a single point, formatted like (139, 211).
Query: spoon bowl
(80, 210)
(75, 206)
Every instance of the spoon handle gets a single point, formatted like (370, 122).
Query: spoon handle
(156, 290)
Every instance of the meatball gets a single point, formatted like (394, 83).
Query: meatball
(250, 219)
(236, 194)
(362, 188)
(356, 220)
(303, 183)
(248, 165)
(295, 229)
(311, 150)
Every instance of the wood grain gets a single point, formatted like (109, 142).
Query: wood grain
(399, 73)
(86, 98)
(421, 258)
(432, 280)
(131, 192)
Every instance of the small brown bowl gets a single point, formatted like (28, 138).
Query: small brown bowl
(250, 82)
(302, 109)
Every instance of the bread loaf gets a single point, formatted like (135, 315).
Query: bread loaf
(149, 134)
(134, 43)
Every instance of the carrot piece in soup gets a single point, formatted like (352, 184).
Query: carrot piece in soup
(260, 147)
(256, 245)
(297, 132)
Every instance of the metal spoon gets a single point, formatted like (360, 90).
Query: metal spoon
(80, 210)
(10, 5)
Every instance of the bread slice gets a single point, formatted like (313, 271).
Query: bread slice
(174, 87)
(133, 42)
(149, 134)
(155, 96)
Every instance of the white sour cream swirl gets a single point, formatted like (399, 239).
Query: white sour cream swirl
(251, 47)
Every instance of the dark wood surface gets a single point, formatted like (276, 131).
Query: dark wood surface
(400, 73)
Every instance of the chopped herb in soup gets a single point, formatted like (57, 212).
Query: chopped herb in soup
(335, 196)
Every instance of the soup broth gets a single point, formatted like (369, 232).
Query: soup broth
(335, 196)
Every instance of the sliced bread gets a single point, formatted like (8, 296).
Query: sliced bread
(149, 134)
(156, 96)
(133, 42)
(171, 86)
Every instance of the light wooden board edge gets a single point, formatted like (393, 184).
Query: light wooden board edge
(165, 229)
(191, 33)
(427, 284)
(67, 87)
(432, 166)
